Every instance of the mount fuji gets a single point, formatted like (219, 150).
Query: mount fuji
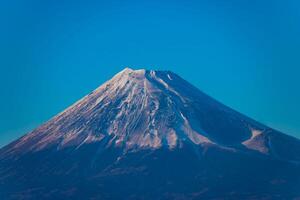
(149, 134)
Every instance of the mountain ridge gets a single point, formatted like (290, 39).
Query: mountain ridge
(124, 75)
(151, 129)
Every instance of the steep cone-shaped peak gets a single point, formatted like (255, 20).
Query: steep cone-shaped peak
(158, 137)
(145, 109)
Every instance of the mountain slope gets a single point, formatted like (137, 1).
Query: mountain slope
(159, 137)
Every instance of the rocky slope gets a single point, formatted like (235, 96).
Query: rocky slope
(148, 134)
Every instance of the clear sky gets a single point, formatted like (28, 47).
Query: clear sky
(245, 53)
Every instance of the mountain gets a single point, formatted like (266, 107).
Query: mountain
(148, 134)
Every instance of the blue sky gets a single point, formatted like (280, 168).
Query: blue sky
(245, 53)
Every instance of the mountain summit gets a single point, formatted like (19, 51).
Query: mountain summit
(155, 136)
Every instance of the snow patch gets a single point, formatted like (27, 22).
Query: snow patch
(194, 136)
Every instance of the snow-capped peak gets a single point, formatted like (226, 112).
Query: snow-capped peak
(140, 109)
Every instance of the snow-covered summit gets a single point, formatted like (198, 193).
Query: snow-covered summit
(146, 109)
(158, 137)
